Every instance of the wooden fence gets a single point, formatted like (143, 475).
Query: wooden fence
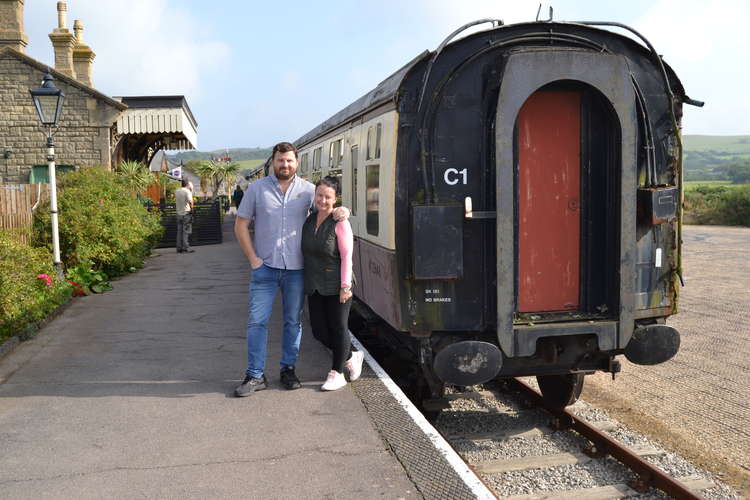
(16, 201)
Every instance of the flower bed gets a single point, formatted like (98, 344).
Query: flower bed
(29, 290)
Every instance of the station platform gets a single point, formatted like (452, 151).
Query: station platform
(129, 394)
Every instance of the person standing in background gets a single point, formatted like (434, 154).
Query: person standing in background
(237, 196)
(184, 208)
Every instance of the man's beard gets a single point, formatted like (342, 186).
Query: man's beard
(283, 177)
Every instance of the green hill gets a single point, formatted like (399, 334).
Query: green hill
(236, 154)
(736, 144)
(715, 157)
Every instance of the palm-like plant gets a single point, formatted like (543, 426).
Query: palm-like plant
(214, 174)
(135, 176)
(225, 172)
(205, 170)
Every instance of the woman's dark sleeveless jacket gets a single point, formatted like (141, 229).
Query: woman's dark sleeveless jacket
(321, 256)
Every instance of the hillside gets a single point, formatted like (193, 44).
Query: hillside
(236, 154)
(715, 157)
(706, 157)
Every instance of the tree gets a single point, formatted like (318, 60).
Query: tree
(739, 173)
(225, 172)
(204, 169)
(134, 176)
(213, 174)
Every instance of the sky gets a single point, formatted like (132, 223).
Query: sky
(257, 72)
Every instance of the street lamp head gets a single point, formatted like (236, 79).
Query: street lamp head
(48, 101)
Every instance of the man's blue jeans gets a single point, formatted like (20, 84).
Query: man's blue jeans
(264, 284)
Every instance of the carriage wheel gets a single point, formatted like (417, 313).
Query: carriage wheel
(559, 391)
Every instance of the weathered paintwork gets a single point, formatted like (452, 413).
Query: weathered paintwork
(456, 144)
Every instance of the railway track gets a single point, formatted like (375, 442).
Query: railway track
(521, 451)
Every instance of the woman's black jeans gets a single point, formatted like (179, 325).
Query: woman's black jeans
(329, 320)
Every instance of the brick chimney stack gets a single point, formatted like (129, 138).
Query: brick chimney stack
(63, 42)
(11, 25)
(83, 56)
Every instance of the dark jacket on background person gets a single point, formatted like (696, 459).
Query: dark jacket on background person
(237, 196)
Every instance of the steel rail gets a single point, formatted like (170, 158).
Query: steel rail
(648, 474)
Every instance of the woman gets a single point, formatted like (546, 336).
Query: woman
(327, 249)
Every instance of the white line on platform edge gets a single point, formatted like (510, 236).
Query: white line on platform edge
(467, 475)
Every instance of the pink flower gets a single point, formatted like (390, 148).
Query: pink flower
(101, 202)
(44, 277)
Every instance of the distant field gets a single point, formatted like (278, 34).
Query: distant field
(727, 144)
(693, 185)
(249, 164)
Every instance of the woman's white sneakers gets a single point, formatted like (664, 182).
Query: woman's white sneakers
(354, 365)
(334, 381)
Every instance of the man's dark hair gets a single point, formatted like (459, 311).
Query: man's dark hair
(330, 181)
(284, 147)
(185, 183)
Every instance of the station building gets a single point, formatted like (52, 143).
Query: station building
(94, 129)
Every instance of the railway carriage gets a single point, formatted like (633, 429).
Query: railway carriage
(515, 201)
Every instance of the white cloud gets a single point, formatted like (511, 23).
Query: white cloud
(146, 47)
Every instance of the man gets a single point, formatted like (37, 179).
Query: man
(278, 206)
(184, 207)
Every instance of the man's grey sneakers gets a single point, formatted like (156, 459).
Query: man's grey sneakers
(250, 385)
(354, 365)
(289, 380)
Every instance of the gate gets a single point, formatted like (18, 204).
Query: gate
(206, 224)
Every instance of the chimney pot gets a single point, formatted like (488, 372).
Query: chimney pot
(78, 30)
(63, 42)
(62, 15)
(83, 56)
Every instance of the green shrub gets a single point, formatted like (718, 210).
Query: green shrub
(717, 204)
(25, 296)
(100, 222)
(735, 207)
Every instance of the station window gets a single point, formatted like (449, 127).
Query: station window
(40, 173)
(373, 199)
(316, 167)
(303, 165)
(355, 161)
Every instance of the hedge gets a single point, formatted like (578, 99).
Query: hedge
(100, 223)
(29, 290)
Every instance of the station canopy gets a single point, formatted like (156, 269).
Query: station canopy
(154, 123)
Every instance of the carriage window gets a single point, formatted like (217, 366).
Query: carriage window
(373, 141)
(335, 155)
(373, 198)
(303, 165)
(378, 134)
(336, 159)
(316, 167)
(355, 160)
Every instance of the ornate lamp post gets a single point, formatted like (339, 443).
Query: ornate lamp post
(48, 101)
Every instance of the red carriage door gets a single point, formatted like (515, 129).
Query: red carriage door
(549, 159)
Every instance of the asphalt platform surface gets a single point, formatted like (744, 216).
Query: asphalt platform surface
(128, 394)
